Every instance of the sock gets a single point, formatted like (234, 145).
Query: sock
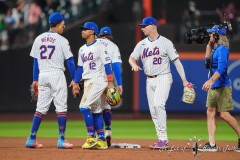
(37, 118)
(98, 124)
(107, 116)
(62, 124)
(88, 118)
(212, 144)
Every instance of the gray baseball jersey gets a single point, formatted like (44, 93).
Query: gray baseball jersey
(51, 49)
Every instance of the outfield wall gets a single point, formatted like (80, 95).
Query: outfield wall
(197, 74)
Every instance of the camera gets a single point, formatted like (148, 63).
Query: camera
(200, 35)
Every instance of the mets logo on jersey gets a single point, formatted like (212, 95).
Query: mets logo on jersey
(147, 52)
(87, 57)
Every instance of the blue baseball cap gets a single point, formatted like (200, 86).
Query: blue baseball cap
(105, 30)
(148, 21)
(55, 17)
(222, 31)
(91, 26)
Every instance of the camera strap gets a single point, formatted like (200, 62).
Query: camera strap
(210, 69)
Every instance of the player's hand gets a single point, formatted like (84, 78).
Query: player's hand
(136, 68)
(120, 89)
(75, 89)
(207, 85)
(71, 84)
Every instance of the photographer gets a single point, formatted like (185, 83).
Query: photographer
(219, 98)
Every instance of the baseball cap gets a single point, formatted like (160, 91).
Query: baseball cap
(222, 31)
(105, 30)
(148, 21)
(55, 17)
(91, 26)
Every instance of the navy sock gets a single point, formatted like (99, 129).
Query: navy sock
(107, 116)
(88, 118)
(98, 124)
(37, 118)
(62, 124)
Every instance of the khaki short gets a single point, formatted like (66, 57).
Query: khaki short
(220, 98)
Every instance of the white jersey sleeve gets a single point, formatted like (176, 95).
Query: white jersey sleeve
(112, 50)
(137, 51)
(66, 49)
(171, 50)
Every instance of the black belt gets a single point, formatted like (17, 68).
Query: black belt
(216, 88)
(154, 76)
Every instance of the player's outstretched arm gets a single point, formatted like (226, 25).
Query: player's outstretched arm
(181, 71)
(133, 64)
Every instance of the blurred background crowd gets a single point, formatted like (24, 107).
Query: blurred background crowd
(22, 20)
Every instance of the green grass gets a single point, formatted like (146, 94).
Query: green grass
(130, 129)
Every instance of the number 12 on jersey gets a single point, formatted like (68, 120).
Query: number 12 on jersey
(92, 65)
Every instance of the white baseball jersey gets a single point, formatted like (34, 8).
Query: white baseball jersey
(92, 58)
(112, 50)
(51, 49)
(155, 55)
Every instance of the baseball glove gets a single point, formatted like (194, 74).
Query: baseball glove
(34, 93)
(113, 97)
(189, 94)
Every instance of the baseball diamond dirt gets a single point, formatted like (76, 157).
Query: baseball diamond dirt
(14, 148)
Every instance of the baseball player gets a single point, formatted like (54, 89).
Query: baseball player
(94, 68)
(49, 51)
(105, 37)
(156, 52)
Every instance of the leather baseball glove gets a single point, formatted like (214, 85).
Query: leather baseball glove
(34, 93)
(113, 97)
(189, 94)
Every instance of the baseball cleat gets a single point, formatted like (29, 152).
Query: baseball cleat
(108, 137)
(32, 143)
(90, 143)
(101, 144)
(161, 144)
(208, 148)
(64, 144)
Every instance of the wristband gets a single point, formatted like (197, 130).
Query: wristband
(110, 78)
